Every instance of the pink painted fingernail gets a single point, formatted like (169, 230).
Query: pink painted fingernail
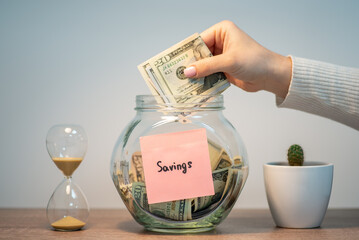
(190, 72)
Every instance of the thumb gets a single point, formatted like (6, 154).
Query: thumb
(206, 66)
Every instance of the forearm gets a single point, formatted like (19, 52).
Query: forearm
(324, 89)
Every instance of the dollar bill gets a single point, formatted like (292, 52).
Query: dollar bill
(239, 170)
(224, 161)
(220, 163)
(139, 194)
(179, 210)
(219, 182)
(164, 73)
(122, 183)
(176, 210)
(136, 169)
(215, 151)
(219, 157)
(237, 162)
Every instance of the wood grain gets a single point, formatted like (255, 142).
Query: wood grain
(119, 224)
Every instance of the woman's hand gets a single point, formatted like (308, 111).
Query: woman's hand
(246, 63)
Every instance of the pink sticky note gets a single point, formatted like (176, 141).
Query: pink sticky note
(176, 166)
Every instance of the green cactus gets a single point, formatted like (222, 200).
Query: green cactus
(295, 155)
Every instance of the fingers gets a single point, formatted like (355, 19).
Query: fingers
(214, 36)
(208, 36)
(207, 66)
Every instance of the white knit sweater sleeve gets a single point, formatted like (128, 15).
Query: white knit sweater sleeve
(324, 89)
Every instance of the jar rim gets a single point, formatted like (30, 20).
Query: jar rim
(179, 102)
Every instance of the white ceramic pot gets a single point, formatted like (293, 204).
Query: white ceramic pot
(298, 196)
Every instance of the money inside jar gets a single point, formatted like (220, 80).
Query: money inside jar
(223, 169)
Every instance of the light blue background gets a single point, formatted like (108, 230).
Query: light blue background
(75, 62)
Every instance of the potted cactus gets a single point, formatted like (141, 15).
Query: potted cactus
(298, 192)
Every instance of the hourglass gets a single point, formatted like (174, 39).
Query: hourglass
(67, 209)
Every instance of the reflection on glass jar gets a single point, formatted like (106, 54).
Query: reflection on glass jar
(227, 153)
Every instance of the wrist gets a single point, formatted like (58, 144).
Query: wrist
(280, 75)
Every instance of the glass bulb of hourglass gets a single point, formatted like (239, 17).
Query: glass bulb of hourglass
(67, 209)
(67, 145)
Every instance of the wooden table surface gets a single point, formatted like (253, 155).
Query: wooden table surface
(119, 224)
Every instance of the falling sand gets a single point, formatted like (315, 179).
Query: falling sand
(68, 223)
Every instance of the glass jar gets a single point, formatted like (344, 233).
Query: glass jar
(227, 153)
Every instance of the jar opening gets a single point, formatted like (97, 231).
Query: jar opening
(179, 102)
